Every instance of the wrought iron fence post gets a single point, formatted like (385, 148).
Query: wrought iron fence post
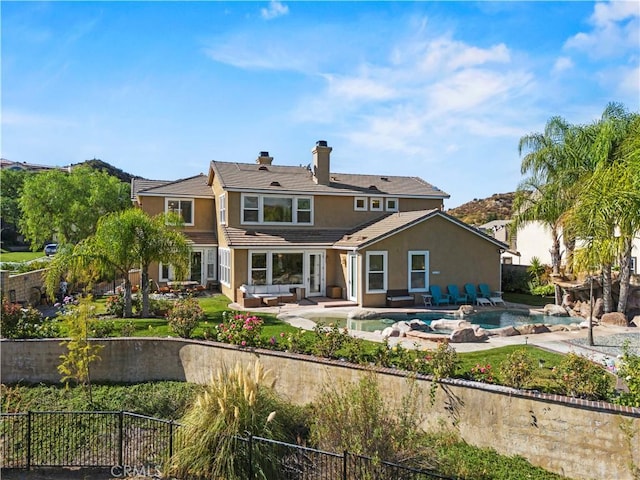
(29, 440)
(121, 438)
(344, 465)
(170, 440)
(250, 457)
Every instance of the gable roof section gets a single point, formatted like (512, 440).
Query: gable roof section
(290, 179)
(140, 184)
(201, 238)
(195, 186)
(397, 222)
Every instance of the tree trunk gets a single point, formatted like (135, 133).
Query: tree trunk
(625, 274)
(556, 257)
(606, 288)
(145, 292)
(570, 246)
(128, 310)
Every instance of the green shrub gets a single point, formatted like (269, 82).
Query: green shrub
(102, 329)
(18, 322)
(354, 417)
(115, 305)
(542, 290)
(239, 329)
(629, 372)
(329, 340)
(184, 317)
(578, 376)
(517, 369)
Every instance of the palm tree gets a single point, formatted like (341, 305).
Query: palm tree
(542, 196)
(607, 211)
(124, 241)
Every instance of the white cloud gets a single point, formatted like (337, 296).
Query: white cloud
(615, 32)
(11, 118)
(359, 88)
(562, 64)
(275, 9)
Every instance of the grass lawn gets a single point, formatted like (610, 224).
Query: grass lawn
(526, 299)
(215, 305)
(19, 256)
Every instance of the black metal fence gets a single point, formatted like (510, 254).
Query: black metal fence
(127, 442)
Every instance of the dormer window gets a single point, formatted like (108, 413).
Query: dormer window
(376, 204)
(391, 204)
(360, 204)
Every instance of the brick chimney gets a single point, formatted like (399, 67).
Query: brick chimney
(264, 159)
(321, 154)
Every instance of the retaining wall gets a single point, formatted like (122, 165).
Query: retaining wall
(576, 438)
(25, 288)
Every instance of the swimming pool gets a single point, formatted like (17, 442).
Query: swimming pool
(488, 320)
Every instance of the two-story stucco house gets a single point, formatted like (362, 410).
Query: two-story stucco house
(264, 225)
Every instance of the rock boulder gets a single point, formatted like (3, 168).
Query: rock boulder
(466, 335)
(555, 310)
(616, 319)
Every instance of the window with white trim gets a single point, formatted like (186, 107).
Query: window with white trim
(182, 207)
(360, 204)
(276, 268)
(225, 266)
(391, 204)
(166, 273)
(418, 262)
(223, 208)
(376, 272)
(376, 204)
(277, 209)
(258, 268)
(210, 263)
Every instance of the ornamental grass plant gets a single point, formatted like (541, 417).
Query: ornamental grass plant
(237, 401)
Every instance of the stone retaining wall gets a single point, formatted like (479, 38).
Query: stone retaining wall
(25, 288)
(576, 438)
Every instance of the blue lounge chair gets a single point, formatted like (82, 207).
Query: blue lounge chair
(456, 296)
(494, 297)
(438, 297)
(472, 293)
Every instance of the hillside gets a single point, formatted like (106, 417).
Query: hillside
(97, 164)
(480, 211)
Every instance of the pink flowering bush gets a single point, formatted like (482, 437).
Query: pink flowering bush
(185, 316)
(240, 329)
(482, 373)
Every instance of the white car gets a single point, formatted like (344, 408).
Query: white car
(50, 249)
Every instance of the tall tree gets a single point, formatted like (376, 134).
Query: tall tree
(66, 206)
(11, 182)
(124, 241)
(542, 195)
(606, 213)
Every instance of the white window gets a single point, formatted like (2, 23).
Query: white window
(166, 273)
(272, 209)
(223, 209)
(376, 204)
(634, 264)
(225, 266)
(360, 203)
(303, 210)
(418, 271)
(391, 204)
(376, 272)
(210, 262)
(250, 209)
(276, 268)
(182, 207)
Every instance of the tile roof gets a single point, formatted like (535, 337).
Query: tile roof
(281, 237)
(139, 184)
(201, 238)
(283, 178)
(395, 222)
(186, 187)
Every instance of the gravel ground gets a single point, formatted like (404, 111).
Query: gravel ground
(610, 345)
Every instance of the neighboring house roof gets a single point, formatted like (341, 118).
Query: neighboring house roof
(495, 224)
(396, 222)
(186, 187)
(11, 165)
(281, 237)
(283, 178)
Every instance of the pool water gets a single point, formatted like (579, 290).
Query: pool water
(487, 320)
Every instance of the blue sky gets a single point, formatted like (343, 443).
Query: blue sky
(439, 90)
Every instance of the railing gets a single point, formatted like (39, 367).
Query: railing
(127, 442)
